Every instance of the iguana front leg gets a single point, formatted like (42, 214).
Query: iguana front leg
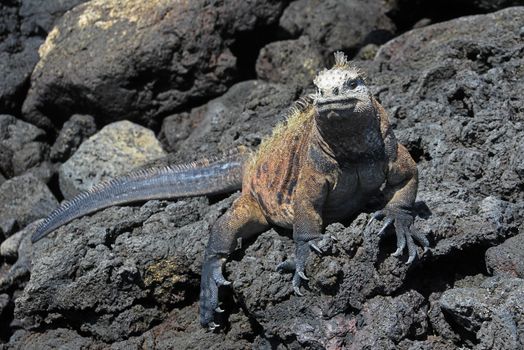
(401, 192)
(307, 227)
(242, 220)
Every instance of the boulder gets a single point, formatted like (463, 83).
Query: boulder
(507, 259)
(490, 314)
(290, 62)
(139, 61)
(241, 117)
(22, 146)
(339, 25)
(116, 149)
(73, 133)
(23, 199)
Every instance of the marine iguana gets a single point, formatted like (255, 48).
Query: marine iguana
(335, 151)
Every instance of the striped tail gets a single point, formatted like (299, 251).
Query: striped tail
(205, 177)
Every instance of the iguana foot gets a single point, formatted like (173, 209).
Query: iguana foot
(402, 219)
(297, 266)
(211, 279)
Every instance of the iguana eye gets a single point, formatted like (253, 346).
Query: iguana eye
(353, 84)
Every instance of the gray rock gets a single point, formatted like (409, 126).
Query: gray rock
(40, 16)
(9, 247)
(16, 64)
(122, 269)
(290, 62)
(23, 24)
(116, 149)
(59, 338)
(490, 314)
(30, 156)
(17, 248)
(453, 93)
(163, 56)
(507, 259)
(339, 25)
(20, 146)
(24, 199)
(453, 96)
(73, 133)
(242, 116)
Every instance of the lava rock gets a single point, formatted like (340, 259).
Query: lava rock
(38, 17)
(18, 56)
(114, 150)
(122, 268)
(491, 314)
(17, 248)
(21, 146)
(23, 26)
(161, 56)
(507, 259)
(241, 117)
(451, 89)
(384, 321)
(73, 133)
(339, 25)
(59, 338)
(24, 199)
(290, 62)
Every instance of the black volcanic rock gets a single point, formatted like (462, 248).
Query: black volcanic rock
(128, 277)
(339, 25)
(162, 56)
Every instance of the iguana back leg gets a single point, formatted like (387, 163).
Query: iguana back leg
(244, 219)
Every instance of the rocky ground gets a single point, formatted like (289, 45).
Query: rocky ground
(196, 78)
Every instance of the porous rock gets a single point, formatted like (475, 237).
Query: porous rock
(122, 269)
(507, 259)
(452, 91)
(241, 117)
(21, 146)
(139, 60)
(23, 26)
(73, 133)
(24, 199)
(339, 25)
(289, 62)
(490, 314)
(114, 150)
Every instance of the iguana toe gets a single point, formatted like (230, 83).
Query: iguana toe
(211, 279)
(402, 219)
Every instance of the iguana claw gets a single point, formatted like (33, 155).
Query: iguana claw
(402, 219)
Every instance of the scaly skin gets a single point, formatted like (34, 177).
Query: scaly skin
(335, 151)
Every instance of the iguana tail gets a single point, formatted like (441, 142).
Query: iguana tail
(205, 177)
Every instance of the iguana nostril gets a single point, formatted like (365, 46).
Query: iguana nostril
(335, 91)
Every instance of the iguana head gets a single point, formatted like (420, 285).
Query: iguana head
(341, 91)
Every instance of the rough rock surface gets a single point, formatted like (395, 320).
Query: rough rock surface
(23, 199)
(23, 26)
(242, 116)
(128, 277)
(116, 149)
(491, 314)
(339, 25)
(289, 62)
(21, 146)
(507, 259)
(160, 56)
(74, 132)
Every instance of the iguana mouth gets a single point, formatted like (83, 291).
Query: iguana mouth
(335, 104)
